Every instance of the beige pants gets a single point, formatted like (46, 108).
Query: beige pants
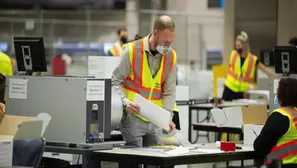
(138, 133)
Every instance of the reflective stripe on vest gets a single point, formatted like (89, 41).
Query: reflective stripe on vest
(289, 148)
(116, 50)
(11, 63)
(2, 107)
(237, 81)
(130, 85)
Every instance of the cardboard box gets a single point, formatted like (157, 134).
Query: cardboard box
(240, 115)
(20, 127)
(16, 127)
(250, 133)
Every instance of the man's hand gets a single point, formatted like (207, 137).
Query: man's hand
(132, 108)
(171, 126)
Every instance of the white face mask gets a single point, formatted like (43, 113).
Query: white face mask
(162, 49)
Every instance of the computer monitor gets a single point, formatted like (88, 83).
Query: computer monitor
(267, 57)
(285, 58)
(30, 55)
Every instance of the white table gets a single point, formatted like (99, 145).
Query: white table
(211, 154)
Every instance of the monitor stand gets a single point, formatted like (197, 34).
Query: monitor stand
(29, 73)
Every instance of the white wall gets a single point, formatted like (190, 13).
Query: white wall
(197, 28)
(257, 18)
(287, 21)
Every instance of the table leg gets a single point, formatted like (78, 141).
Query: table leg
(88, 161)
(197, 131)
(190, 125)
(227, 163)
(85, 161)
(207, 120)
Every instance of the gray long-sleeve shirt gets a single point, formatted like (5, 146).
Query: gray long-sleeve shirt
(123, 70)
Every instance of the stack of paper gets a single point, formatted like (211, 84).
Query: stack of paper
(207, 150)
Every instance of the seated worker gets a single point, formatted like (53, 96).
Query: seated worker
(278, 138)
(175, 118)
(117, 48)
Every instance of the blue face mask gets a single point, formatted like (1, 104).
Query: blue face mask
(276, 104)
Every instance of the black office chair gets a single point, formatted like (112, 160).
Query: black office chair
(28, 152)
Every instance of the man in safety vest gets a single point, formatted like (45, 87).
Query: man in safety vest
(147, 67)
(117, 48)
(175, 118)
(242, 69)
(278, 138)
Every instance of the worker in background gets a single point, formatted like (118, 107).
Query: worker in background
(242, 69)
(117, 48)
(278, 138)
(175, 118)
(147, 67)
(6, 64)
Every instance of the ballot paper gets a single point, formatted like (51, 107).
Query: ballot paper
(177, 151)
(206, 150)
(153, 113)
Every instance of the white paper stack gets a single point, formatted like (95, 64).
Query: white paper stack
(6, 151)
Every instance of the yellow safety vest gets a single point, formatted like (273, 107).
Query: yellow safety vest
(6, 65)
(239, 78)
(286, 147)
(140, 79)
(116, 50)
